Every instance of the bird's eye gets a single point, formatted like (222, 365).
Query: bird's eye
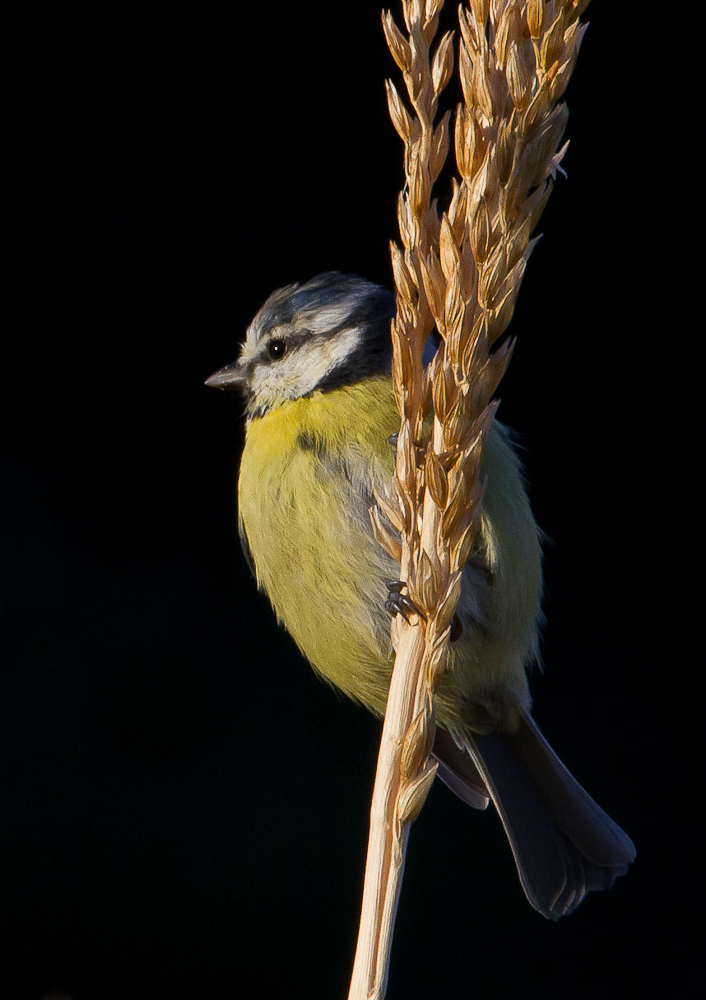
(277, 349)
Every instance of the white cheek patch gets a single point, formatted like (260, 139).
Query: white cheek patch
(301, 371)
(313, 361)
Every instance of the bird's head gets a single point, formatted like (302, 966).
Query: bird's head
(334, 330)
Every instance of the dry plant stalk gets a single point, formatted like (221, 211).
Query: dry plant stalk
(460, 272)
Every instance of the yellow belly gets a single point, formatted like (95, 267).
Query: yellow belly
(306, 483)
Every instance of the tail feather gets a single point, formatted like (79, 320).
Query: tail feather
(593, 832)
(564, 844)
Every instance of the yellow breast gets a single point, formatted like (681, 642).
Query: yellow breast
(306, 480)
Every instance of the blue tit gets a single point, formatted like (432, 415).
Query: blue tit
(315, 369)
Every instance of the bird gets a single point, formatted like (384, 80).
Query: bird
(315, 373)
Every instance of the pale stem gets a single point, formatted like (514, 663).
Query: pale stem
(387, 841)
(431, 513)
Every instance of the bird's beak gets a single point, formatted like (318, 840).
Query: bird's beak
(230, 377)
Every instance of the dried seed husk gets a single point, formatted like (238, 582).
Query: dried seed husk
(478, 184)
(535, 17)
(449, 602)
(465, 72)
(480, 232)
(431, 226)
(389, 543)
(478, 431)
(537, 107)
(480, 10)
(505, 31)
(436, 479)
(456, 421)
(506, 151)
(552, 43)
(516, 241)
(454, 310)
(414, 747)
(469, 274)
(518, 78)
(430, 18)
(436, 659)
(433, 282)
(405, 503)
(426, 584)
(501, 314)
(418, 187)
(439, 147)
(403, 279)
(442, 385)
(405, 221)
(413, 794)
(461, 548)
(490, 275)
(396, 42)
(449, 255)
(457, 211)
(443, 64)
(475, 347)
(539, 152)
(398, 113)
(482, 94)
(456, 507)
(496, 365)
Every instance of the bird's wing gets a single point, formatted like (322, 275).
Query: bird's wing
(458, 772)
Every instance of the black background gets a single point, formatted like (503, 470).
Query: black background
(184, 805)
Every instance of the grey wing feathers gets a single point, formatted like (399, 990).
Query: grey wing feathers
(458, 772)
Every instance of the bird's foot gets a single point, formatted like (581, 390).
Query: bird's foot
(398, 603)
(419, 446)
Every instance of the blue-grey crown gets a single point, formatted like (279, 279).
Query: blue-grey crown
(332, 302)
